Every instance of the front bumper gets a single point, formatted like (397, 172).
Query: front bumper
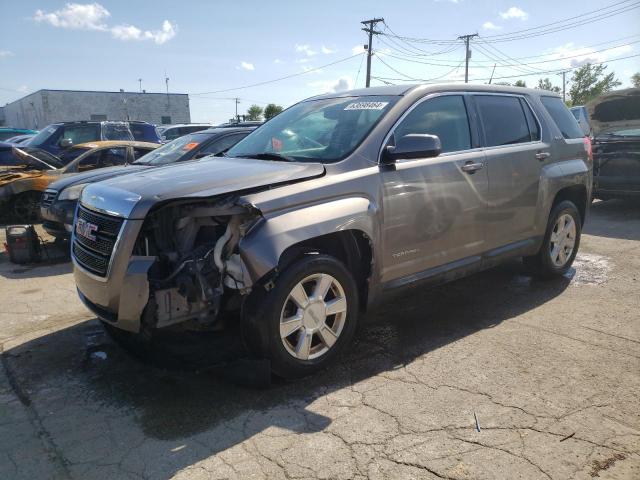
(121, 296)
(58, 217)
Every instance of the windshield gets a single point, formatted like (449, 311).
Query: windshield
(42, 137)
(325, 130)
(173, 151)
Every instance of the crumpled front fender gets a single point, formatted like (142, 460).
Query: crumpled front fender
(263, 246)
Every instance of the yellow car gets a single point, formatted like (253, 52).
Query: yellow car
(21, 188)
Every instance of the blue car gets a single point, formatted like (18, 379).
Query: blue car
(58, 137)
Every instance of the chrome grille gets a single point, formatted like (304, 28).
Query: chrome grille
(48, 197)
(94, 254)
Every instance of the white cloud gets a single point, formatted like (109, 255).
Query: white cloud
(23, 89)
(571, 56)
(303, 60)
(247, 66)
(131, 32)
(92, 16)
(6, 53)
(327, 50)
(333, 86)
(490, 26)
(514, 12)
(77, 16)
(306, 49)
(277, 61)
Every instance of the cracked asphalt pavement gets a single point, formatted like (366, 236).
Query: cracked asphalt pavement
(497, 376)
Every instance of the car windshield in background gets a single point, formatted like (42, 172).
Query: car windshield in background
(172, 151)
(42, 137)
(325, 130)
(627, 132)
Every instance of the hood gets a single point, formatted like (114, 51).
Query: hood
(615, 111)
(91, 176)
(15, 175)
(133, 195)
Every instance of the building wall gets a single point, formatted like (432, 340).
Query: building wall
(49, 106)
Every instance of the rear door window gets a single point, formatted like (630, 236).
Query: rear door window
(503, 120)
(445, 117)
(562, 117)
(113, 156)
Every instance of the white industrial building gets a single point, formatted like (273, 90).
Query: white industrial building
(44, 107)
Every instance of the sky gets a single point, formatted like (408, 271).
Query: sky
(210, 48)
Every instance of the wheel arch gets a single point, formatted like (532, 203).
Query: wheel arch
(342, 228)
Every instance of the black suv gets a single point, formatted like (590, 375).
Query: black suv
(57, 137)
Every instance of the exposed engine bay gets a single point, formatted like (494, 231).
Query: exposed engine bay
(198, 271)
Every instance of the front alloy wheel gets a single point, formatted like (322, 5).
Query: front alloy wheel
(306, 319)
(313, 316)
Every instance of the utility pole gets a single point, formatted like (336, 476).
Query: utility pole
(237, 101)
(166, 81)
(564, 87)
(492, 72)
(466, 39)
(370, 31)
(140, 82)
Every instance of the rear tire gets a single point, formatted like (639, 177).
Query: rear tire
(303, 323)
(560, 244)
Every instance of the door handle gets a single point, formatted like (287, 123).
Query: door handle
(542, 155)
(471, 167)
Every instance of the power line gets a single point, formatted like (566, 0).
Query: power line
(528, 74)
(280, 78)
(544, 29)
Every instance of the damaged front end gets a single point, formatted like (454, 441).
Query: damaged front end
(184, 267)
(198, 271)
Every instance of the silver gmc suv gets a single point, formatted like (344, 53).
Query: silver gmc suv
(331, 207)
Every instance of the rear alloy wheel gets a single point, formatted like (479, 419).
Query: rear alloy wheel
(560, 243)
(306, 319)
(26, 207)
(562, 240)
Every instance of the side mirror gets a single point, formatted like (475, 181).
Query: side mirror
(413, 145)
(66, 143)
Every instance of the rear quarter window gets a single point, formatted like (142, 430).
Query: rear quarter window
(563, 118)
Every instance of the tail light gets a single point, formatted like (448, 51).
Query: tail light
(588, 149)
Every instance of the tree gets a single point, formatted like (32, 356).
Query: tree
(254, 113)
(545, 84)
(589, 82)
(635, 80)
(520, 83)
(271, 111)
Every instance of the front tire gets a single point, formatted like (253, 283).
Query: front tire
(303, 323)
(560, 244)
(26, 207)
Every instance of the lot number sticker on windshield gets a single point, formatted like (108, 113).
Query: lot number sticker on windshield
(366, 106)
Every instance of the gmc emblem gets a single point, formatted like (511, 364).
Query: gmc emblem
(86, 229)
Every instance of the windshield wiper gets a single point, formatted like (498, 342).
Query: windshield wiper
(269, 156)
